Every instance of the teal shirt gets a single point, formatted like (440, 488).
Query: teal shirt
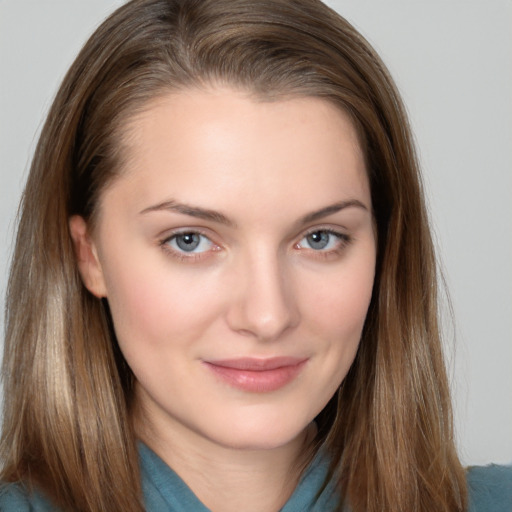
(490, 490)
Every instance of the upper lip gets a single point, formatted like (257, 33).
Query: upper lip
(257, 364)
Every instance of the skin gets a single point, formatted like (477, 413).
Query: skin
(256, 286)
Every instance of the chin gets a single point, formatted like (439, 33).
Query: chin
(260, 433)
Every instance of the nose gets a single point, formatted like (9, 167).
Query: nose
(263, 305)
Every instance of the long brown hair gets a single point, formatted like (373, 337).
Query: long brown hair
(68, 392)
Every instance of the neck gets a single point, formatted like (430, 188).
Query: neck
(226, 479)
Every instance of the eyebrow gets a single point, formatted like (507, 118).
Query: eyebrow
(192, 211)
(215, 216)
(330, 210)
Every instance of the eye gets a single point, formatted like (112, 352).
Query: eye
(190, 242)
(322, 240)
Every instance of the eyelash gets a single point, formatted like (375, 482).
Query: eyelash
(343, 241)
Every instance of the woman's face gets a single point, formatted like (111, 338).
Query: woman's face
(237, 253)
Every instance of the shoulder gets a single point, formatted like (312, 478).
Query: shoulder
(490, 488)
(14, 497)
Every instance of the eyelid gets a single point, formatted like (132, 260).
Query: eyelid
(334, 230)
(170, 233)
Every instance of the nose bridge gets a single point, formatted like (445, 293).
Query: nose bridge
(264, 306)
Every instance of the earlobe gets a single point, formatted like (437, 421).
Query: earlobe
(87, 257)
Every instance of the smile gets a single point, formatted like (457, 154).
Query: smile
(257, 375)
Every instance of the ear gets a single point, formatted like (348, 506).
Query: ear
(87, 257)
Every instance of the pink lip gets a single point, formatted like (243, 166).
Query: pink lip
(257, 375)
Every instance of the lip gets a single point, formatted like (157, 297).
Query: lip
(257, 375)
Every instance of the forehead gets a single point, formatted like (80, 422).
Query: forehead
(201, 142)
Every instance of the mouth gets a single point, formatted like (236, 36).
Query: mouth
(257, 375)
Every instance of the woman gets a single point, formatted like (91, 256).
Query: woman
(224, 267)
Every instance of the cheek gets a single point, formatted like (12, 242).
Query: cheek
(337, 312)
(153, 303)
(340, 304)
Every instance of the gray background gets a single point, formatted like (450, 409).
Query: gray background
(452, 60)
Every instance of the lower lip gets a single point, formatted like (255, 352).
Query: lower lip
(260, 381)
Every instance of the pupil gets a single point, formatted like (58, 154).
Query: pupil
(318, 240)
(188, 241)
